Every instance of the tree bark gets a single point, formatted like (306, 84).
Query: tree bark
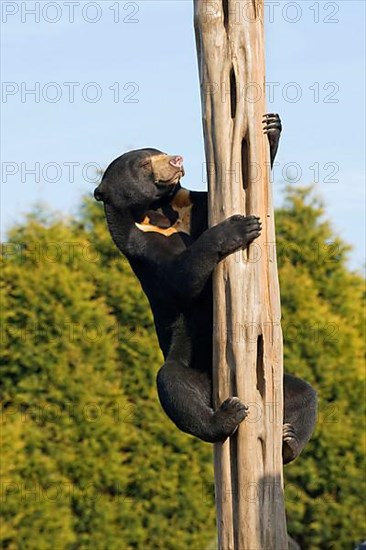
(247, 333)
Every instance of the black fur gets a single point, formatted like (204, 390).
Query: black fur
(162, 230)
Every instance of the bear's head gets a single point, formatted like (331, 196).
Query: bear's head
(139, 179)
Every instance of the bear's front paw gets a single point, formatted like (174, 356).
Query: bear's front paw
(272, 126)
(290, 443)
(245, 229)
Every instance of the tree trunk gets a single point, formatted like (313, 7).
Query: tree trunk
(247, 332)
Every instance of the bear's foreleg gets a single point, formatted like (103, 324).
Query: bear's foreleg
(193, 267)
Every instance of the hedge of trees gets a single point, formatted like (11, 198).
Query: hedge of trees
(89, 459)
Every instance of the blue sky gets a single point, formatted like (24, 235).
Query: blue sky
(135, 84)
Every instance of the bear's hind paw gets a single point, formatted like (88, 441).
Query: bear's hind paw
(290, 445)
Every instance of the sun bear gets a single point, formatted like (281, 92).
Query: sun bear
(162, 229)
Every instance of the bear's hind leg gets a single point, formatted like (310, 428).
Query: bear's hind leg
(299, 416)
(185, 395)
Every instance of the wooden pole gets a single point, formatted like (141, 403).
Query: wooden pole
(247, 332)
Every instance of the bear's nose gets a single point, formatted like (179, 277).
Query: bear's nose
(177, 162)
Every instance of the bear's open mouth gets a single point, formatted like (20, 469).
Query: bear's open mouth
(173, 181)
(166, 189)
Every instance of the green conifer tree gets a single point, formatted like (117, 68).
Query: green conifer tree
(89, 458)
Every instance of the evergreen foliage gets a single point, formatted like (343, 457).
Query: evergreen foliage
(90, 460)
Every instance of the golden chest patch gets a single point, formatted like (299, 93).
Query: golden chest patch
(182, 207)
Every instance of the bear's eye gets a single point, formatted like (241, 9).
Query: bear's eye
(145, 163)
